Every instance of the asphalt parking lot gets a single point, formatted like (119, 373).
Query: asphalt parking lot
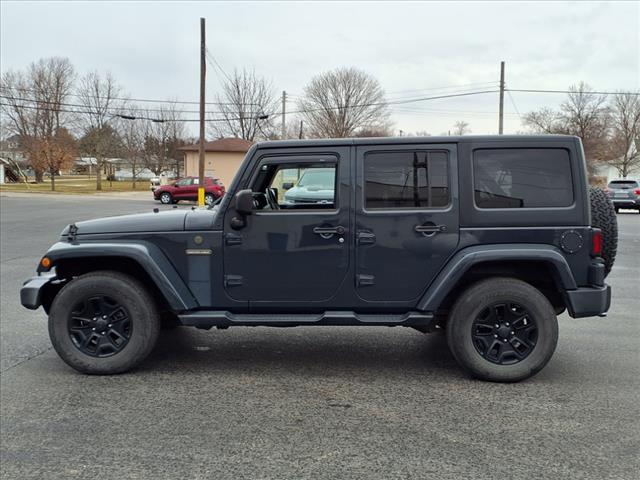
(360, 402)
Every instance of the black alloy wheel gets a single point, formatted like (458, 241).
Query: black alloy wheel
(504, 333)
(99, 326)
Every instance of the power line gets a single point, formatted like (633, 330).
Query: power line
(514, 104)
(572, 91)
(394, 102)
(117, 108)
(126, 99)
(121, 115)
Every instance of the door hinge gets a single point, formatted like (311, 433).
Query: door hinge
(232, 280)
(232, 239)
(365, 280)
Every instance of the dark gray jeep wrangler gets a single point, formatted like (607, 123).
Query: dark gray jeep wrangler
(488, 238)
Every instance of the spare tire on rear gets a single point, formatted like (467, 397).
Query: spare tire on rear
(603, 216)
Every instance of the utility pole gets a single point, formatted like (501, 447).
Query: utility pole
(283, 133)
(501, 109)
(203, 70)
(301, 127)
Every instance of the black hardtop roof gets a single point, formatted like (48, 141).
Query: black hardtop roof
(411, 140)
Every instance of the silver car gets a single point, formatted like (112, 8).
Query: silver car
(624, 193)
(315, 186)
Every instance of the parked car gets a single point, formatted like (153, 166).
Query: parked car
(154, 182)
(315, 186)
(624, 193)
(187, 189)
(487, 237)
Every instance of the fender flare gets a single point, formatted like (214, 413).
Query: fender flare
(460, 263)
(152, 260)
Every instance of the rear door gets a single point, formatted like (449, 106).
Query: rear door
(406, 218)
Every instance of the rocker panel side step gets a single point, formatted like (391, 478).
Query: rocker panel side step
(223, 318)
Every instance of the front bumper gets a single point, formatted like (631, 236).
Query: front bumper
(589, 301)
(33, 290)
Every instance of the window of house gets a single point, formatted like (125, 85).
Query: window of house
(406, 179)
(522, 178)
(295, 186)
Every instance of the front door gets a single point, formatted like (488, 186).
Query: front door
(294, 247)
(406, 218)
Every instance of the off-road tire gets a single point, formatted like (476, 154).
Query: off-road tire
(166, 198)
(482, 295)
(144, 318)
(603, 216)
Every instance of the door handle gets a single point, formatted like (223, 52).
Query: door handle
(328, 232)
(430, 230)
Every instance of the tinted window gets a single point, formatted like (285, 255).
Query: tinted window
(623, 184)
(407, 179)
(522, 178)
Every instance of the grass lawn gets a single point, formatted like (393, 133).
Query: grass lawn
(75, 184)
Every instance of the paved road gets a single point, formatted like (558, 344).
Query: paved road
(311, 402)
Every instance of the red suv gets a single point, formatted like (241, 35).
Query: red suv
(187, 189)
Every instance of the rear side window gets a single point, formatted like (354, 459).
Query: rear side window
(522, 178)
(623, 184)
(406, 179)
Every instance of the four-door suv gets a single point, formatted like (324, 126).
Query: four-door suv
(624, 193)
(187, 189)
(489, 238)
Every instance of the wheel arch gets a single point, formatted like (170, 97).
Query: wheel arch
(544, 267)
(143, 261)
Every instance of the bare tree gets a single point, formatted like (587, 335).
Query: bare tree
(99, 96)
(247, 105)
(341, 102)
(131, 133)
(584, 114)
(56, 152)
(624, 141)
(33, 103)
(461, 128)
(162, 137)
(544, 120)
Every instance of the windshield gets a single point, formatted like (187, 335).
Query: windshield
(623, 184)
(318, 177)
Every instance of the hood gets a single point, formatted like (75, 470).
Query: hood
(167, 221)
(309, 193)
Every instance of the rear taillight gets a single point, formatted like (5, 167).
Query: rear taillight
(596, 242)
(637, 191)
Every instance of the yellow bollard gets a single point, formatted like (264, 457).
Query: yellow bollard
(201, 196)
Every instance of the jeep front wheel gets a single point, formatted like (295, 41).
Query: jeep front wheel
(502, 330)
(103, 323)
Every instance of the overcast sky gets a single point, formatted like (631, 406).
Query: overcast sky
(414, 49)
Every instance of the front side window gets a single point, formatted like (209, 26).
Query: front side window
(522, 178)
(184, 182)
(295, 187)
(406, 179)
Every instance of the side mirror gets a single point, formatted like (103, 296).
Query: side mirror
(287, 185)
(244, 202)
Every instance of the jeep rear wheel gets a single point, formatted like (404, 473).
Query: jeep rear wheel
(103, 323)
(166, 198)
(603, 216)
(502, 330)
